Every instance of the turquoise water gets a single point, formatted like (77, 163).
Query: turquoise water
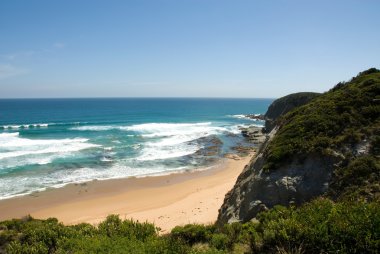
(52, 142)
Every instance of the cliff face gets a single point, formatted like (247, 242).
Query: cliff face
(257, 189)
(285, 104)
(328, 146)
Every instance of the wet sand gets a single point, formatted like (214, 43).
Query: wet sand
(167, 201)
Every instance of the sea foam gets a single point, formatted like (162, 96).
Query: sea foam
(50, 143)
(95, 128)
(245, 117)
(12, 146)
(172, 140)
(57, 179)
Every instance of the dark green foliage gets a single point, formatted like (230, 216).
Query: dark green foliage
(321, 226)
(375, 146)
(334, 121)
(334, 126)
(359, 180)
(220, 241)
(117, 244)
(232, 234)
(222, 238)
(193, 233)
(285, 104)
(369, 71)
(114, 226)
(112, 236)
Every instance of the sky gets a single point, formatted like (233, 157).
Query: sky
(183, 48)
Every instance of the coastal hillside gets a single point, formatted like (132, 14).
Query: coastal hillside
(285, 104)
(314, 187)
(329, 146)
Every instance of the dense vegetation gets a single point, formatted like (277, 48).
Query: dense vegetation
(285, 104)
(320, 226)
(344, 123)
(111, 236)
(337, 124)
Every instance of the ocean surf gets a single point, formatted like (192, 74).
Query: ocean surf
(51, 143)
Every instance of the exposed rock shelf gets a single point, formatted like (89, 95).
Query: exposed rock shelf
(253, 134)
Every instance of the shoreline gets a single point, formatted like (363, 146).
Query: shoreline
(166, 200)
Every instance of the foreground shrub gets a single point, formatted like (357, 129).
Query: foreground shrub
(114, 226)
(220, 241)
(321, 226)
(193, 233)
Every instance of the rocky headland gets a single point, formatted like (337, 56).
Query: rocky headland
(311, 145)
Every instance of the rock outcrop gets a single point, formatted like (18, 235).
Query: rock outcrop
(257, 190)
(253, 134)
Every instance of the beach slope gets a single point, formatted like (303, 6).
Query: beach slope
(167, 201)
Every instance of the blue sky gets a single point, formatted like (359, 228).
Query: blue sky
(183, 48)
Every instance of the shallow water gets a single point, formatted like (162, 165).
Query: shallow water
(52, 142)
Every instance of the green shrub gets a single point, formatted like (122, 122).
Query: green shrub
(321, 226)
(167, 245)
(220, 241)
(193, 233)
(358, 180)
(111, 226)
(85, 229)
(18, 248)
(114, 226)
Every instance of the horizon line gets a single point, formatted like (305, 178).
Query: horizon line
(122, 97)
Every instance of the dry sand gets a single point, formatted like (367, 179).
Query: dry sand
(167, 201)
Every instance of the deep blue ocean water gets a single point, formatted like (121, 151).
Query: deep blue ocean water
(48, 143)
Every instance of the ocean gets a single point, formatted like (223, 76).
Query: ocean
(48, 143)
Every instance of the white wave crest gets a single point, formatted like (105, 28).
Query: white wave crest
(152, 127)
(25, 126)
(5, 135)
(171, 140)
(245, 117)
(238, 116)
(56, 179)
(12, 146)
(94, 128)
(150, 153)
(63, 148)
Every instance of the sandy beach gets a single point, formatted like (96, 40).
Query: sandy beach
(167, 201)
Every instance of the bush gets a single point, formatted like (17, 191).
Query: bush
(359, 180)
(221, 241)
(114, 226)
(193, 233)
(321, 226)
